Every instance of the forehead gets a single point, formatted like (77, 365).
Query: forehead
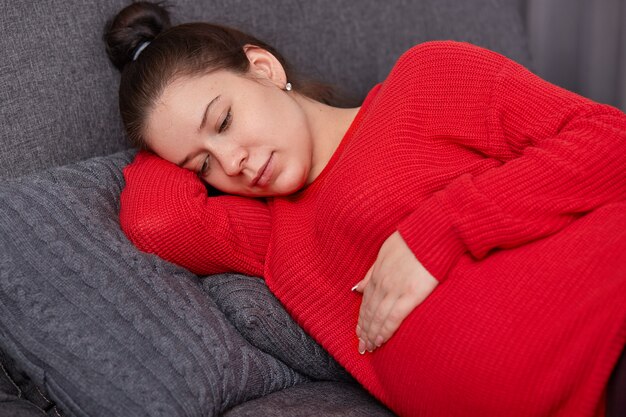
(180, 107)
(186, 91)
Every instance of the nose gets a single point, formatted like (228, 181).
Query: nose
(233, 160)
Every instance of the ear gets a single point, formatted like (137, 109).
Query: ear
(264, 65)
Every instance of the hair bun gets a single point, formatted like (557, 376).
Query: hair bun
(133, 25)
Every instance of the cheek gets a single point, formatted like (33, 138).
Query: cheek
(278, 114)
(293, 174)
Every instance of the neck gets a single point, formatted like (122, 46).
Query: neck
(328, 127)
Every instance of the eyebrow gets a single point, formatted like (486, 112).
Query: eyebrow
(202, 124)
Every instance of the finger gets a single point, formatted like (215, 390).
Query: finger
(373, 295)
(364, 312)
(361, 320)
(360, 286)
(383, 310)
(403, 306)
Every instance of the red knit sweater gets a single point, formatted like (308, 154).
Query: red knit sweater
(508, 189)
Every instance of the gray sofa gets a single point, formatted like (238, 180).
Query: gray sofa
(91, 326)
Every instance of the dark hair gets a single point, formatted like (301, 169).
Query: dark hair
(183, 50)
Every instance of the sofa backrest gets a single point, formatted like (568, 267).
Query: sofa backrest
(58, 92)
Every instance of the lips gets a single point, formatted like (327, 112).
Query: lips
(261, 172)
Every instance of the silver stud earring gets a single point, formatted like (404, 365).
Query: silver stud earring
(288, 87)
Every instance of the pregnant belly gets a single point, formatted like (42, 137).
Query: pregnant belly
(534, 330)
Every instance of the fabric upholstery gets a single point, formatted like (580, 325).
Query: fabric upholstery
(19, 395)
(108, 330)
(314, 399)
(59, 92)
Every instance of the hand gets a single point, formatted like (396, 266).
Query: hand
(394, 285)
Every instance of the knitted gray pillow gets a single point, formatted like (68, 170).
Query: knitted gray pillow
(109, 330)
(259, 316)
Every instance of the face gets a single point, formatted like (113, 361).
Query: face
(230, 128)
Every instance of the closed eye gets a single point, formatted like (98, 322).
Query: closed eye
(205, 166)
(223, 127)
(226, 122)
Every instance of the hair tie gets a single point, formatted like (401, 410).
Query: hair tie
(139, 49)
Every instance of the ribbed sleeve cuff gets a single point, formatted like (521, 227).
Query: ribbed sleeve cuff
(430, 234)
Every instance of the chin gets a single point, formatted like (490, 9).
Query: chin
(283, 189)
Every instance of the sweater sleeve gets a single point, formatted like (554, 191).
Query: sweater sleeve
(567, 156)
(166, 210)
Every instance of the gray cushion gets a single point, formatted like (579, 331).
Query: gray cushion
(58, 92)
(259, 316)
(108, 330)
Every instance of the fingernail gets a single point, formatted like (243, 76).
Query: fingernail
(370, 346)
(361, 347)
(379, 340)
(354, 288)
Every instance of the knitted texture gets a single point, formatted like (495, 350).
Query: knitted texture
(92, 327)
(508, 189)
(227, 233)
(262, 320)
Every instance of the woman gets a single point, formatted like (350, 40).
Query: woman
(478, 209)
